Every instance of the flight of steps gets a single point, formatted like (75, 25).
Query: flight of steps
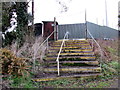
(76, 60)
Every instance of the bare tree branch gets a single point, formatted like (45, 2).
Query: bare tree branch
(63, 4)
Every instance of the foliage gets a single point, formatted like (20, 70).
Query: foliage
(13, 65)
(6, 7)
(33, 51)
(22, 22)
(9, 38)
(22, 19)
(108, 71)
(21, 82)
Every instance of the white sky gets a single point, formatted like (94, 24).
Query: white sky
(46, 10)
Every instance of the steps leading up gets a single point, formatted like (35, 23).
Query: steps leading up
(75, 62)
(74, 69)
(70, 54)
(52, 77)
(71, 57)
(76, 59)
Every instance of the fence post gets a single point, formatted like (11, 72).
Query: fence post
(47, 44)
(55, 28)
(85, 25)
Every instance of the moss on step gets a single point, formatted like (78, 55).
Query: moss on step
(81, 69)
(83, 53)
(69, 77)
(74, 47)
(70, 58)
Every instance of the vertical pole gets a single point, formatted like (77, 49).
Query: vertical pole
(1, 41)
(58, 67)
(47, 44)
(57, 32)
(55, 28)
(0, 25)
(106, 13)
(85, 25)
(42, 29)
(33, 18)
(32, 32)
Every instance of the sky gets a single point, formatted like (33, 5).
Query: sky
(46, 10)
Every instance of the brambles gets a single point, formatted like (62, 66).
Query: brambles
(13, 65)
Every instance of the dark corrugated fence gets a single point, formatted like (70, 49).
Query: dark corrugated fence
(75, 30)
(101, 31)
(78, 31)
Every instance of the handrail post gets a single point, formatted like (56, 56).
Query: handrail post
(58, 67)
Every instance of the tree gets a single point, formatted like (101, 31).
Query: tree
(64, 6)
(7, 8)
(22, 19)
(22, 22)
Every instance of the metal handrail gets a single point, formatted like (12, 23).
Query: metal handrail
(58, 66)
(97, 44)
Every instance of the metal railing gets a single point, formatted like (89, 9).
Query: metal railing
(58, 64)
(93, 40)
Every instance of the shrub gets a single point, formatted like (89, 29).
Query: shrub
(13, 65)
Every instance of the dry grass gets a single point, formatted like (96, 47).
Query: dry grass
(33, 50)
(109, 49)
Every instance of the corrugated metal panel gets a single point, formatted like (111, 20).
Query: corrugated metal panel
(78, 31)
(75, 30)
(101, 31)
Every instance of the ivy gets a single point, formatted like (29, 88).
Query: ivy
(22, 22)
(22, 19)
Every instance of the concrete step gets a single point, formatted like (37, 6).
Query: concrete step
(70, 44)
(71, 41)
(71, 54)
(74, 62)
(70, 50)
(72, 57)
(71, 47)
(51, 77)
(73, 69)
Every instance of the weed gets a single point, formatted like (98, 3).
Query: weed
(102, 84)
(111, 50)
(21, 82)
